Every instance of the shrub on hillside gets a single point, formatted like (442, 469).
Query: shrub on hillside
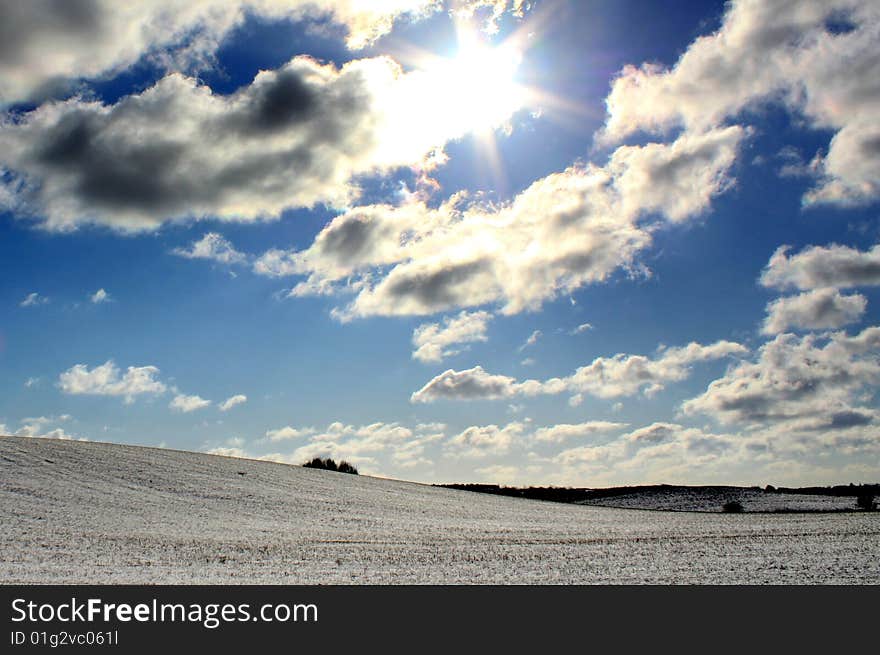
(866, 502)
(329, 465)
(733, 507)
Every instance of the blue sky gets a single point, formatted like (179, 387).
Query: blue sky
(520, 242)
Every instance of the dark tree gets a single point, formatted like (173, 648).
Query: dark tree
(866, 502)
(329, 465)
(345, 467)
(733, 507)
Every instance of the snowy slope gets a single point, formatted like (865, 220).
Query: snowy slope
(89, 512)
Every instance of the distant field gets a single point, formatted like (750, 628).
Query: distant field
(83, 512)
(683, 499)
(675, 498)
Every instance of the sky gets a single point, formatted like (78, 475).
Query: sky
(531, 243)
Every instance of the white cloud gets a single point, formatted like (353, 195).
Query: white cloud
(627, 375)
(185, 404)
(822, 266)
(566, 230)
(814, 310)
(401, 446)
(106, 380)
(660, 452)
(33, 299)
(772, 52)
(816, 377)
(100, 296)
(229, 451)
(45, 420)
(31, 382)
(470, 10)
(677, 179)
(472, 383)
(580, 329)
(232, 401)
(501, 474)
(40, 428)
(565, 431)
(287, 432)
(605, 377)
(214, 247)
(433, 341)
(485, 440)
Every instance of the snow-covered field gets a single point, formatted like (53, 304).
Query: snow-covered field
(698, 499)
(99, 513)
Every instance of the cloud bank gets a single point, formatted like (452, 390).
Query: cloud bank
(605, 377)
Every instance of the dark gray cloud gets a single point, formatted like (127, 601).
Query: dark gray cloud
(23, 22)
(284, 101)
(436, 289)
(850, 419)
(293, 138)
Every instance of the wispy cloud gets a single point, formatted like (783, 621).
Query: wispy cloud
(186, 404)
(531, 341)
(100, 296)
(33, 299)
(232, 401)
(434, 341)
(580, 329)
(214, 247)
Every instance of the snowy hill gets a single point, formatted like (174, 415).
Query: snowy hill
(86, 512)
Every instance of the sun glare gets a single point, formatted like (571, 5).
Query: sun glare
(482, 89)
(475, 91)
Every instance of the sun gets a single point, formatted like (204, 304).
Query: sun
(473, 89)
(482, 92)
